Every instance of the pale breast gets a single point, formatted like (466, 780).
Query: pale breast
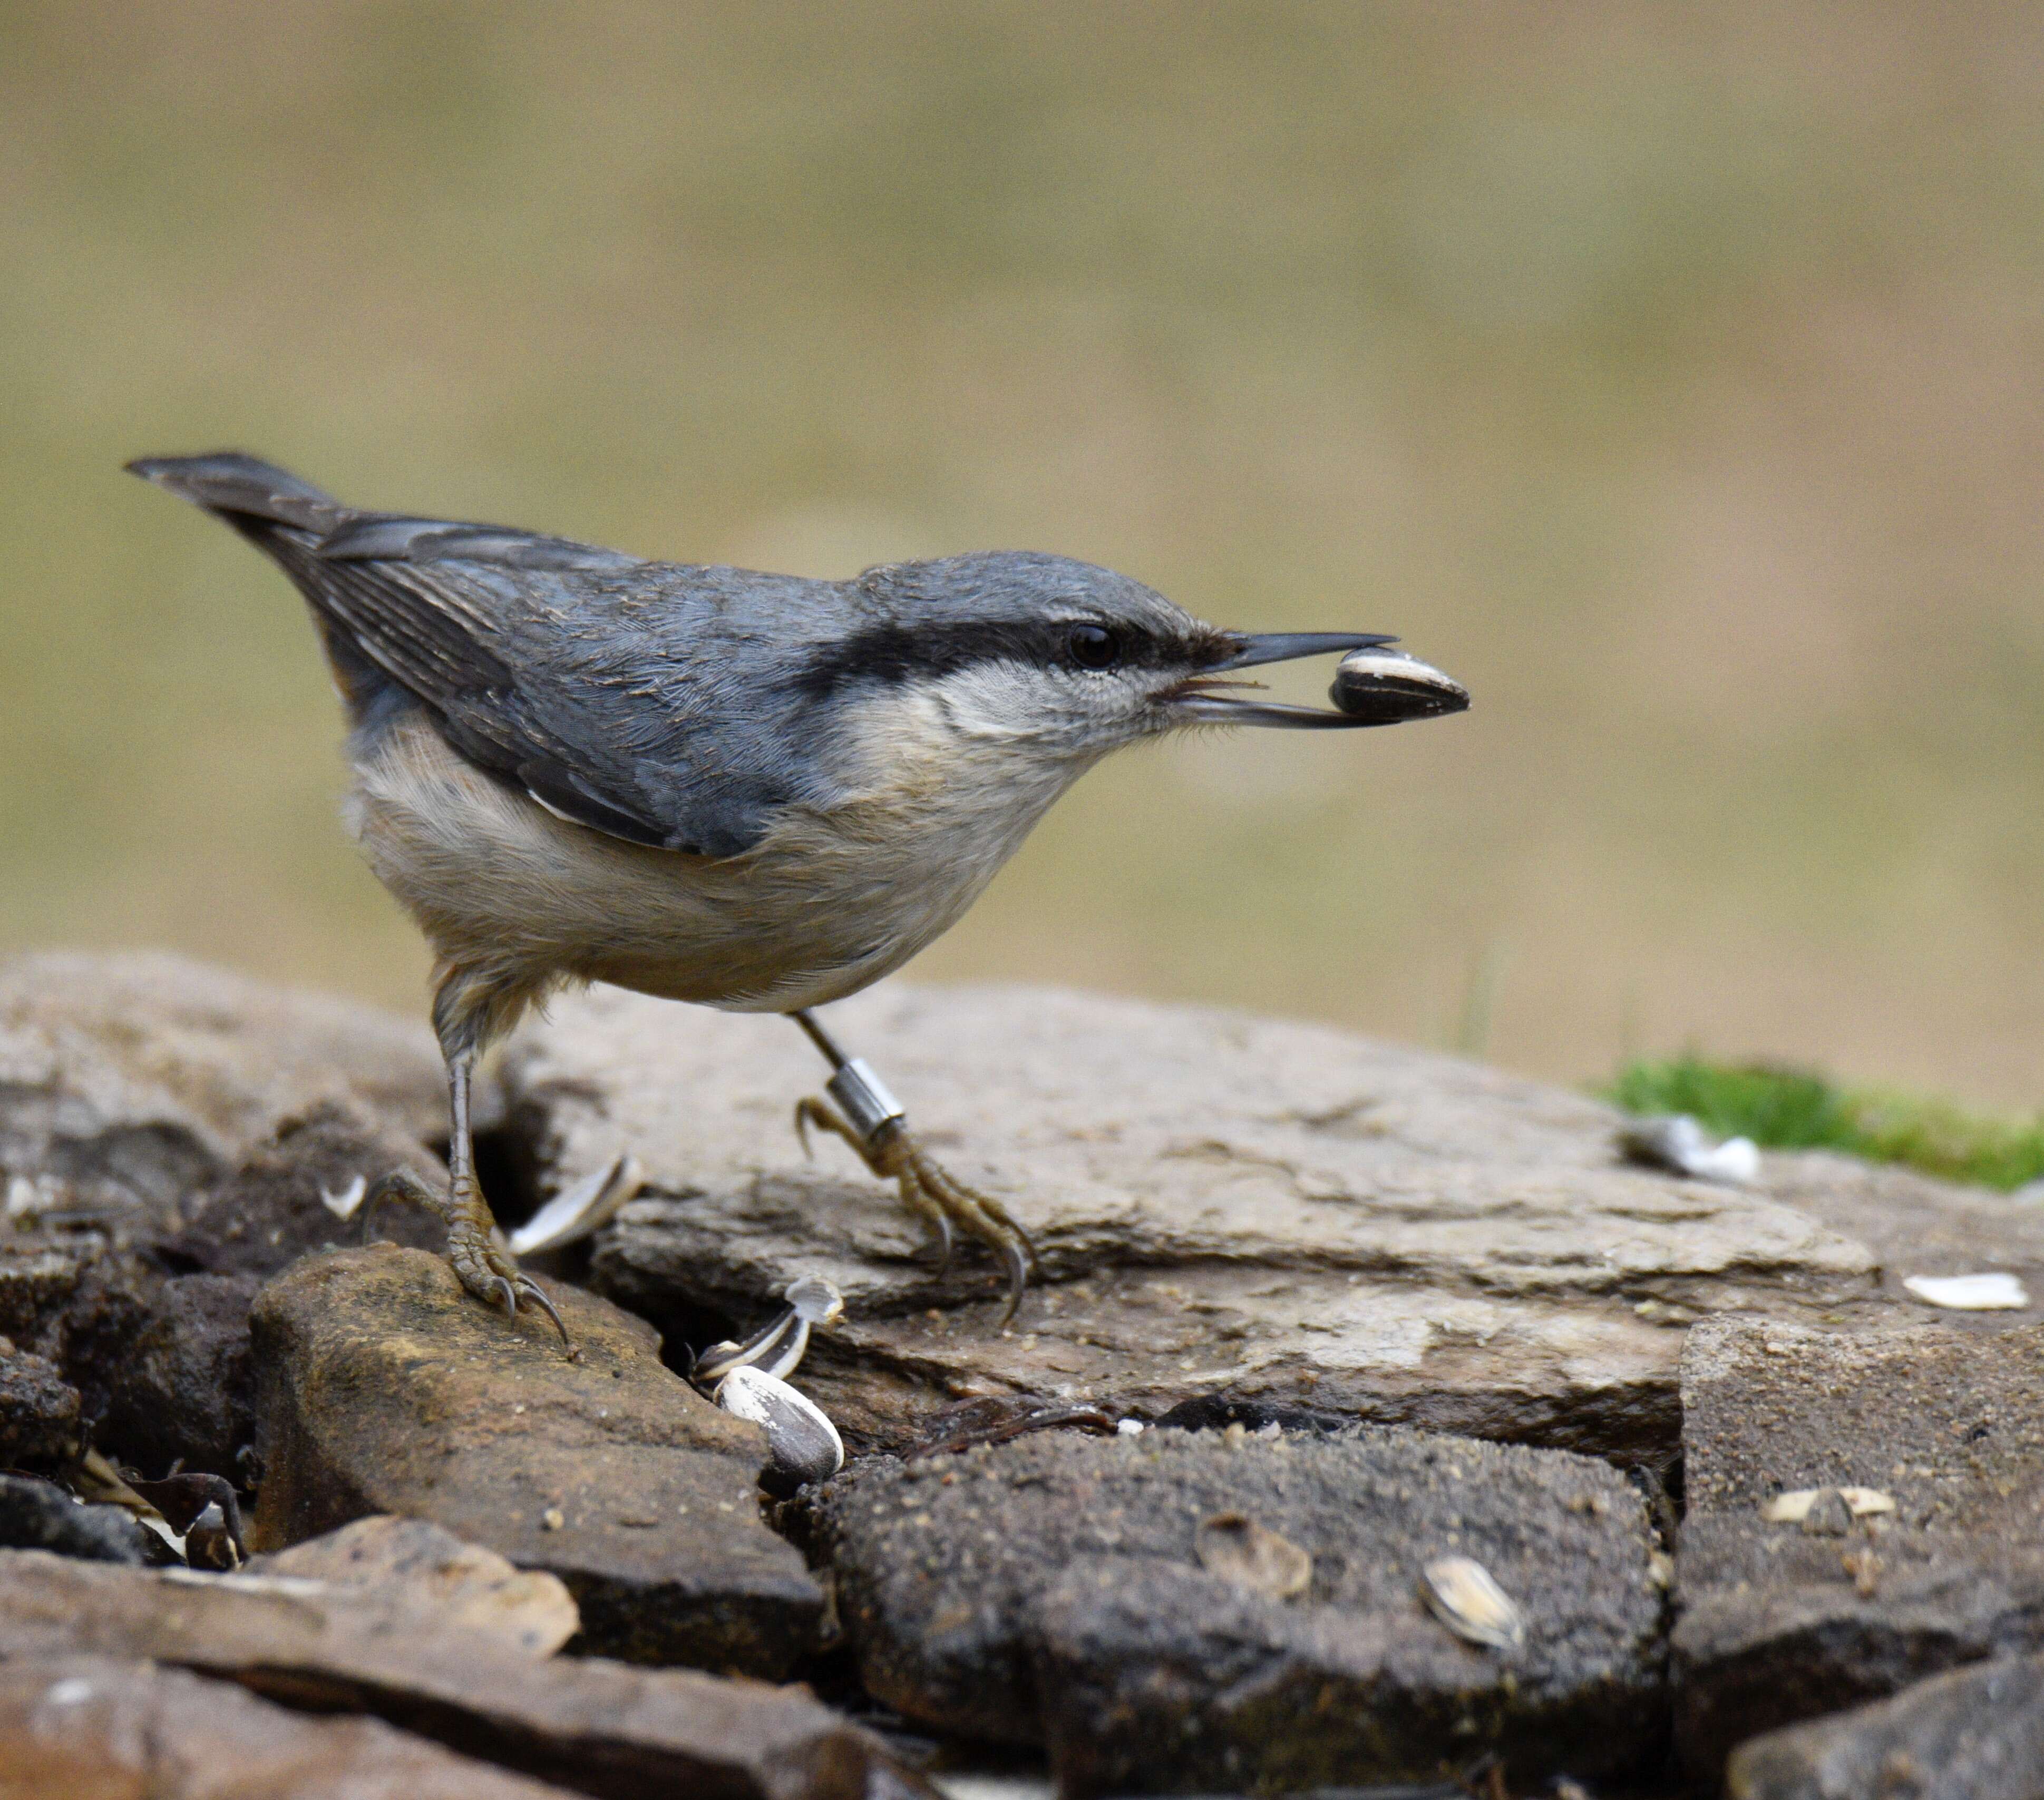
(826, 904)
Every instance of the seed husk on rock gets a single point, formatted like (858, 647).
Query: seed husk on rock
(1462, 1593)
(1794, 1506)
(802, 1442)
(580, 1209)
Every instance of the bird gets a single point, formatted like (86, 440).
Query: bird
(755, 792)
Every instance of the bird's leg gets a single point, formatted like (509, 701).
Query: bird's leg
(485, 1269)
(861, 1110)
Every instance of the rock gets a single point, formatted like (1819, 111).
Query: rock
(271, 1209)
(1975, 1734)
(605, 1729)
(129, 1080)
(1267, 1212)
(39, 1411)
(411, 1562)
(164, 1364)
(385, 1388)
(165, 1129)
(1053, 1590)
(95, 1726)
(39, 1515)
(1779, 1623)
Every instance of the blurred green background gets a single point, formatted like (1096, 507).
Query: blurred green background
(1669, 374)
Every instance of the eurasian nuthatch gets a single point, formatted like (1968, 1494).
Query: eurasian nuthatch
(750, 791)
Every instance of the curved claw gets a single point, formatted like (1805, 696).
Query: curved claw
(1018, 1279)
(537, 1294)
(480, 1263)
(945, 1241)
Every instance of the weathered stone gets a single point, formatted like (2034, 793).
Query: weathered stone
(39, 1411)
(411, 1563)
(271, 1209)
(39, 1515)
(1976, 1733)
(1051, 1589)
(131, 1079)
(1779, 1623)
(385, 1388)
(96, 1727)
(159, 1118)
(163, 1363)
(1226, 1205)
(605, 1729)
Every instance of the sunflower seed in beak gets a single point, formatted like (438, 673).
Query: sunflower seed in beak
(1386, 686)
(802, 1445)
(1461, 1593)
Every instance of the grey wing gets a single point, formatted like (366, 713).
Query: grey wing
(547, 662)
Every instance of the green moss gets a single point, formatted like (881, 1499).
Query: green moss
(1794, 1109)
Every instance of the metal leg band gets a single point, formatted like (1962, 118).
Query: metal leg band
(863, 1097)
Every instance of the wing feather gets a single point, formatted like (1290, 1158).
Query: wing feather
(602, 686)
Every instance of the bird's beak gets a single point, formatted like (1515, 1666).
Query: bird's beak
(1373, 683)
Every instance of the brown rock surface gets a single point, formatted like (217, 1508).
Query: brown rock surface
(39, 1411)
(385, 1388)
(602, 1727)
(1781, 1621)
(411, 1562)
(1271, 1211)
(1064, 1590)
(94, 1727)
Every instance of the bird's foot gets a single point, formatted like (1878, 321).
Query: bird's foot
(930, 1191)
(485, 1268)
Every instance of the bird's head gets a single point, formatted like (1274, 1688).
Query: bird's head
(1073, 661)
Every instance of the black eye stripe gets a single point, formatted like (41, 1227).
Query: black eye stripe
(892, 654)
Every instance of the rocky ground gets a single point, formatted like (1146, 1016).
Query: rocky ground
(1373, 1423)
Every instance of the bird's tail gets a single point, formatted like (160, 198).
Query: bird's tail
(246, 492)
(287, 519)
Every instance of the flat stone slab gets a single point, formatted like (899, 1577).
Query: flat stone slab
(1975, 1734)
(125, 1080)
(1122, 1601)
(411, 1563)
(602, 1727)
(385, 1388)
(100, 1727)
(1224, 1205)
(1785, 1620)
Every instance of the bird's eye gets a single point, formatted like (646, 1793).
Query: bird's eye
(1093, 647)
